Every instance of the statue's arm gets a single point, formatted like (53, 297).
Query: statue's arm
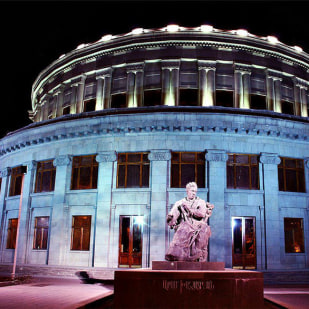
(200, 211)
(173, 214)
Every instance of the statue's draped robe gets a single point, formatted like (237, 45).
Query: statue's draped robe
(192, 232)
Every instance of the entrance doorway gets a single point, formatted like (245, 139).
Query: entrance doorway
(130, 241)
(244, 247)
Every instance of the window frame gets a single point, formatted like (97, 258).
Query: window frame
(301, 246)
(43, 240)
(40, 174)
(77, 166)
(16, 172)
(82, 229)
(181, 162)
(142, 164)
(250, 165)
(11, 233)
(300, 172)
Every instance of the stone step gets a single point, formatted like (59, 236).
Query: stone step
(300, 276)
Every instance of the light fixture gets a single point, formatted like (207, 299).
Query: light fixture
(106, 37)
(137, 31)
(172, 28)
(298, 48)
(80, 46)
(272, 39)
(242, 32)
(61, 56)
(207, 28)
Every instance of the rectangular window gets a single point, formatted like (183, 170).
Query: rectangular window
(188, 167)
(16, 180)
(224, 98)
(188, 97)
(152, 97)
(291, 175)
(66, 110)
(133, 170)
(258, 101)
(287, 107)
(243, 172)
(84, 173)
(89, 105)
(45, 176)
(119, 100)
(12, 232)
(80, 237)
(41, 225)
(294, 235)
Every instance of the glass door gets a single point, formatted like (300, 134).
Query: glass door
(244, 247)
(130, 241)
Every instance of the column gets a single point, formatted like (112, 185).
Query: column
(73, 99)
(270, 163)
(160, 161)
(300, 97)
(216, 161)
(207, 83)
(138, 90)
(135, 84)
(25, 213)
(170, 82)
(59, 101)
(103, 89)
(77, 97)
(58, 238)
(106, 162)
(273, 85)
(130, 89)
(5, 175)
(99, 95)
(242, 86)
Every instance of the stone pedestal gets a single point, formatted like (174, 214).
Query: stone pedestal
(188, 289)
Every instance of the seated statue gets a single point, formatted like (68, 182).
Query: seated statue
(189, 217)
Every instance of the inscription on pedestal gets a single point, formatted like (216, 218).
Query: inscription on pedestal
(187, 285)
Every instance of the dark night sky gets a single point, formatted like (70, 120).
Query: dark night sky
(34, 34)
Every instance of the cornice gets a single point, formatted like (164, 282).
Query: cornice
(198, 121)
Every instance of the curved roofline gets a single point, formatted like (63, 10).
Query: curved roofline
(184, 36)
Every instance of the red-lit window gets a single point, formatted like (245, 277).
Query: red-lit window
(12, 232)
(294, 235)
(40, 237)
(80, 237)
(84, 173)
(188, 167)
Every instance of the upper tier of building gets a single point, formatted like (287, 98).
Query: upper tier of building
(175, 66)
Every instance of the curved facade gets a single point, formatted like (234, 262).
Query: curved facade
(122, 124)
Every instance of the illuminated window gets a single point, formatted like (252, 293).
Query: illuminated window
(40, 238)
(45, 176)
(152, 97)
(12, 232)
(16, 181)
(294, 235)
(84, 173)
(258, 101)
(291, 175)
(188, 97)
(188, 167)
(80, 237)
(133, 170)
(119, 100)
(242, 172)
(287, 107)
(89, 105)
(224, 98)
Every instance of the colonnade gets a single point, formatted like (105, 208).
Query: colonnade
(170, 84)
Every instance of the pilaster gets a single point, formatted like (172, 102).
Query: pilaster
(135, 84)
(270, 163)
(273, 86)
(207, 83)
(242, 85)
(106, 162)
(300, 89)
(160, 162)
(170, 82)
(59, 211)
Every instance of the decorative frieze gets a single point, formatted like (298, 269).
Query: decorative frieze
(216, 155)
(108, 156)
(62, 160)
(159, 155)
(270, 158)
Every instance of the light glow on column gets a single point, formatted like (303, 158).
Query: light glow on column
(172, 28)
(272, 39)
(207, 28)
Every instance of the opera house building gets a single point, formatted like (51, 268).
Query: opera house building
(121, 125)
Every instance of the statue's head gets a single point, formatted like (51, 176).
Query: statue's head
(191, 189)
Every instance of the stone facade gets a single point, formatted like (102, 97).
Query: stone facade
(209, 63)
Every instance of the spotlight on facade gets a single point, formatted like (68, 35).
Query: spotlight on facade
(80, 46)
(242, 32)
(172, 28)
(272, 39)
(61, 56)
(298, 48)
(137, 31)
(207, 28)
